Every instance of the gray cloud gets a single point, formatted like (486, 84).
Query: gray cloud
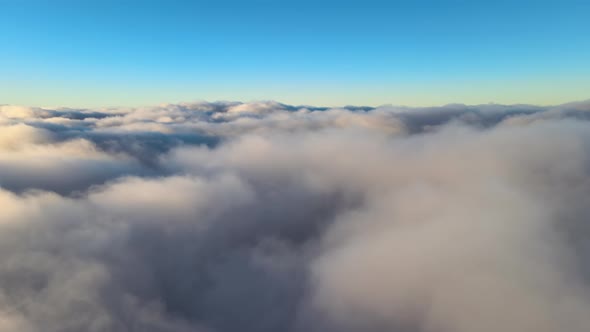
(226, 216)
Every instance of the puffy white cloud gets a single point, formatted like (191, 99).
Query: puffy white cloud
(269, 217)
(13, 137)
(20, 112)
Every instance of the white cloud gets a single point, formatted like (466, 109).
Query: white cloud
(227, 216)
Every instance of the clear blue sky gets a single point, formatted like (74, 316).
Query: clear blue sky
(110, 53)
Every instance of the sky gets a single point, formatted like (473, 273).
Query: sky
(332, 53)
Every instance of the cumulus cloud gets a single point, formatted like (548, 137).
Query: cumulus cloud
(226, 216)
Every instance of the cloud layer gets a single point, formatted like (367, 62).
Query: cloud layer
(222, 217)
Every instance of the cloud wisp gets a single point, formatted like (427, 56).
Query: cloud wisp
(226, 216)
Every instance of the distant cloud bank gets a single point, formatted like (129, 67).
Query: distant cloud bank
(265, 217)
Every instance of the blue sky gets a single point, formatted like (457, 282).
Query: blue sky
(124, 53)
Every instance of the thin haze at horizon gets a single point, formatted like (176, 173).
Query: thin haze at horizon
(331, 53)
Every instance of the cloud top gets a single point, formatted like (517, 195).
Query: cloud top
(227, 216)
